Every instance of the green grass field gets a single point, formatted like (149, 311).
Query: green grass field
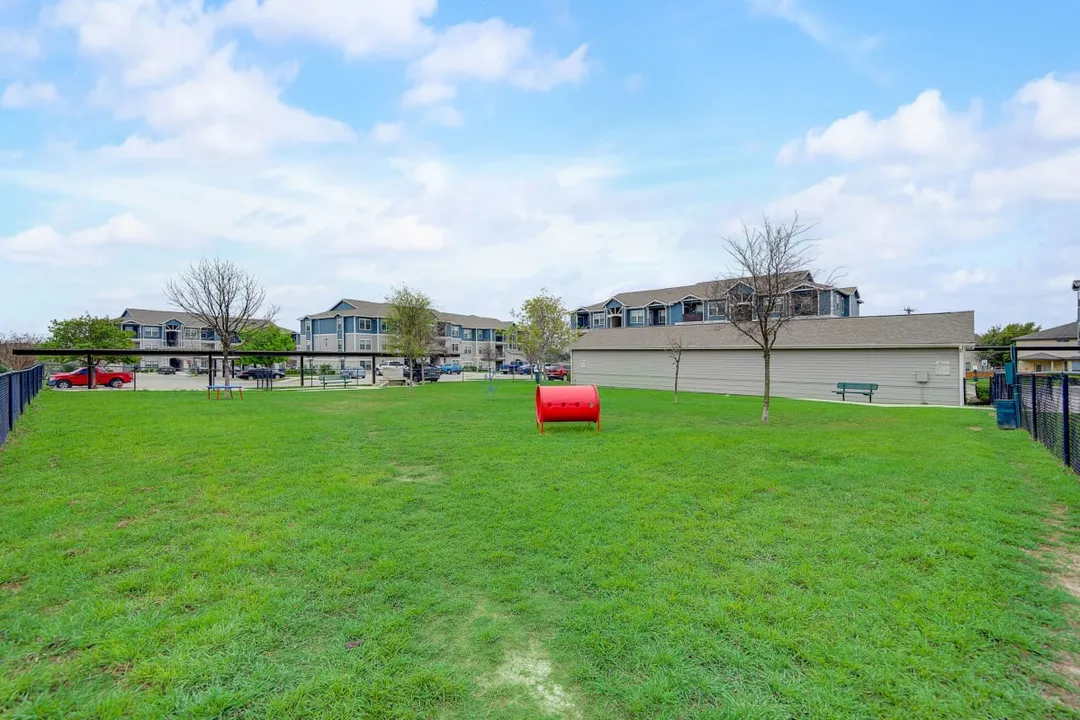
(371, 554)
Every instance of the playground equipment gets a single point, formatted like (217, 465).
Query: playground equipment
(567, 403)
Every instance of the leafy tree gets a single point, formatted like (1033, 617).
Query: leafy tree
(225, 298)
(269, 337)
(410, 325)
(542, 328)
(9, 342)
(90, 332)
(998, 335)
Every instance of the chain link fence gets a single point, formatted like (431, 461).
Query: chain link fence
(17, 389)
(1050, 411)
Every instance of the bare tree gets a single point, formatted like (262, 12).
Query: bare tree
(223, 297)
(674, 348)
(772, 260)
(9, 342)
(488, 354)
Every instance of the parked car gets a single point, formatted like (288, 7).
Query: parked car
(516, 367)
(260, 374)
(430, 373)
(354, 373)
(557, 371)
(166, 370)
(81, 378)
(389, 363)
(451, 368)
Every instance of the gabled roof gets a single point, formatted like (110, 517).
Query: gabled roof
(701, 291)
(930, 329)
(1061, 332)
(1046, 356)
(160, 317)
(366, 308)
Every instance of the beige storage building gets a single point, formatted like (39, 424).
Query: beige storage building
(914, 359)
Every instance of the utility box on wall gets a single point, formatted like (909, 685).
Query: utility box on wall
(922, 377)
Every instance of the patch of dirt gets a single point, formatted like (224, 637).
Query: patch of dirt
(14, 585)
(1066, 562)
(974, 428)
(416, 474)
(353, 643)
(146, 489)
(531, 669)
(75, 552)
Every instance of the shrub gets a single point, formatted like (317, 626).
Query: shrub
(982, 390)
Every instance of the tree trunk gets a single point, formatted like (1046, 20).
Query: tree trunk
(768, 388)
(676, 383)
(225, 365)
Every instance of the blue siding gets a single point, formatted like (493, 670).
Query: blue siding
(674, 313)
(613, 303)
(349, 325)
(825, 302)
(324, 326)
(342, 306)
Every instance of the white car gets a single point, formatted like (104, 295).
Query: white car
(390, 363)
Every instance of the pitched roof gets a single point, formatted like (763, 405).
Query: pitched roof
(942, 329)
(1061, 332)
(641, 298)
(160, 317)
(1046, 356)
(366, 308)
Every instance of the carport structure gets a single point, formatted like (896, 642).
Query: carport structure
(91, 353)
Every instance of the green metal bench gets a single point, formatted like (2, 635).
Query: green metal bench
(334, 380)
(867, 389)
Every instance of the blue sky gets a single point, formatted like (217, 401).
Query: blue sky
(483, 150)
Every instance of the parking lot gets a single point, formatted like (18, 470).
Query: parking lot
(185, 381)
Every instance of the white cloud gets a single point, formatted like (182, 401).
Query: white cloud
(19, 95)
(428, 93)
(855, 47)
(18, 44)
(151, 40)
(387, 132)
(1056, 106)
(358, 27)
(489, 51)
(44, 244)
(924, 128)
(964, 278)
(444, 115)
(222, 109)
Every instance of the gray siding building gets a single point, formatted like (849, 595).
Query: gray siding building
(913, 359)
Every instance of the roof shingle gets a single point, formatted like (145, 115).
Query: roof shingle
(943, 329)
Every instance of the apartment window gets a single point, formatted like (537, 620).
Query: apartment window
(363, 345)
(637, 317)
(455, 348)
(1038, 367)
(467, 334)
(191, 333)
(804, 302)
(363, 324)
(598, 319)
(468, 350)
(151, 332)
(716, 309)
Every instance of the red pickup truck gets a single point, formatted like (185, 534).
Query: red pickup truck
(81, 377)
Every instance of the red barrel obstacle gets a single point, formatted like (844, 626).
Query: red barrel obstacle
(567, 403)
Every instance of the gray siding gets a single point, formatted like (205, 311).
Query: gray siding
(795, 373)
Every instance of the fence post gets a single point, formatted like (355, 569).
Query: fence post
(1034, 409)
(11, 402)
(1065, 455)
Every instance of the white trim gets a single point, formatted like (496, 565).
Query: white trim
(686, 297)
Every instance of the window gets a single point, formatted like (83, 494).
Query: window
(191, 333)
(716, 308)
(455, 348)
(661, 316)
(804, 302)
(363, 324)
(455, 331)
(468, 350)
(151, 332)
(467, 334)
(1038, 367)
(598, 319)
(363, 344)
(637, 317)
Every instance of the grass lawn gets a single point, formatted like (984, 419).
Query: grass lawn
(368, 554)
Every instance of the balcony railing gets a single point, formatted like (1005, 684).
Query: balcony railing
(692, 317)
